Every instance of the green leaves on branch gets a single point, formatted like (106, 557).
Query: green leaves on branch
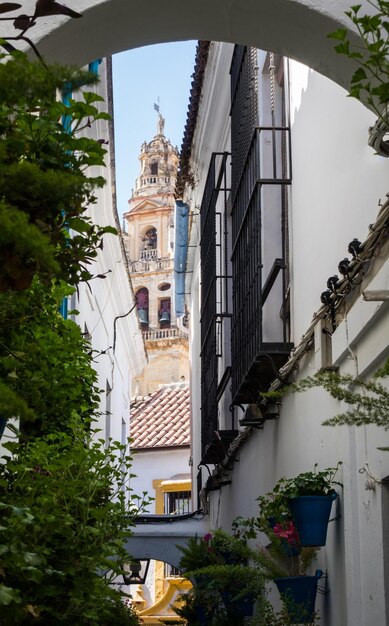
(64, 518)
(46, 374)
(45, 185)
(368, 399)
(370, 82)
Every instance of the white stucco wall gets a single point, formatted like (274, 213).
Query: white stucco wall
(337, 184)
(157, 464)
(119, 352)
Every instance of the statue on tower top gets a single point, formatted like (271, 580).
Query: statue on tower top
(161, 120)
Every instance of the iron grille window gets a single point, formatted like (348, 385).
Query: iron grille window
(177, 502)
(214, 291)
(260, 175)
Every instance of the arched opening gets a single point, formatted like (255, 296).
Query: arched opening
(142, 305)
(297, 29)
(164, 313)
(150, 239)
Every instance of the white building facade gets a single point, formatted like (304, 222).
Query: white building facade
(301, 184)
(107, 307)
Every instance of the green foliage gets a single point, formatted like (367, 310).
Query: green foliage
(215, 548)
(45, 370)
(64, 519)
(265, 615)
(217, 592)
(308, 483)
(45, 188)
(220, 586)
(217, 565)
(368, 399)
(370, 82)
(65, 504)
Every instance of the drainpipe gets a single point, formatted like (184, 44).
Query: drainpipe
(180, 255)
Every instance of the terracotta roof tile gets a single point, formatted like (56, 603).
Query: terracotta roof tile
(162, 418)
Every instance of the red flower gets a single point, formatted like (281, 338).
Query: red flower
(288, 532)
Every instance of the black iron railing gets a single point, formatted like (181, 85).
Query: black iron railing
(261, 173)
(214, 291)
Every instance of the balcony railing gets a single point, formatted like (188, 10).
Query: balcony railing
(147, 255)
(150, 265)
(155, 180)
(165, 333)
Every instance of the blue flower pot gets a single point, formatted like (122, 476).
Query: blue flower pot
(298, 593)
(311, 515)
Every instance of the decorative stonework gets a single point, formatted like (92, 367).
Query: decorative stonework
(149, 243)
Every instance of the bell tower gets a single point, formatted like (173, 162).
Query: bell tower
(149, 241)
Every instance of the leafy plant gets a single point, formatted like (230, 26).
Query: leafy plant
(369, 83)
(45, 188)
(46, 371)
(215, 548)
(218, 594)
(368, 399)
(308, 484)
(65, 514)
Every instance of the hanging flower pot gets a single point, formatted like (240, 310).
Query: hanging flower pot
(311, 515)
(298, 593)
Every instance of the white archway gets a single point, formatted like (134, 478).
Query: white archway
(297, 28)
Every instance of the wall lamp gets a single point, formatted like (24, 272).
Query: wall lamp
(135, 572)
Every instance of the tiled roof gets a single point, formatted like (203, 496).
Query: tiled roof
(161, 419)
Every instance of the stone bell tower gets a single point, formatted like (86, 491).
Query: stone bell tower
(149, 242)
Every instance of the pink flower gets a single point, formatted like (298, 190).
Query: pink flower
(287, 531)
(207, 537)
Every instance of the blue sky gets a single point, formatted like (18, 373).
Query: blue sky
(140, 77)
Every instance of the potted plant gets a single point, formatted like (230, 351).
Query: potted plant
(297, 588)
(221, 595)
(310, 496)
(297, 510)
(224, 585)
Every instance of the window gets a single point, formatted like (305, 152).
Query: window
(215, 298)
(154, 168)
(177, 502)
(260, 179)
